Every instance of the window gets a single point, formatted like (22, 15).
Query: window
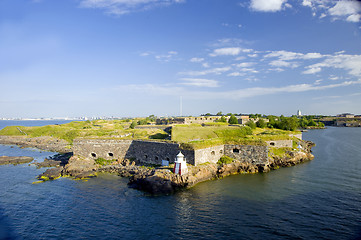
(235, 150)
(168, 159)
(221, 151)
(94, 155)
(213, 153)
(110, 154)
(272, 143)
(146, 156)
(156, 158)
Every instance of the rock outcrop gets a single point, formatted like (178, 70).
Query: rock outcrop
(15, 160)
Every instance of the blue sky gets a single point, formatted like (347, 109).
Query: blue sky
(139, 57)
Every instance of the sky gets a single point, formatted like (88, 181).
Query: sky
(129, 58)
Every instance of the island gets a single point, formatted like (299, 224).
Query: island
(150, 151)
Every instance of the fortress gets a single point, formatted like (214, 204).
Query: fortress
(153, 152)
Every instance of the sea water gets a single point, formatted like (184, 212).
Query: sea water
(320, 199)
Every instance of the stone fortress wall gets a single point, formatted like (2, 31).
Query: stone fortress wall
(152, 152)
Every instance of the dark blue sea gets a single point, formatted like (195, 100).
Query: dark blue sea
(320, 199)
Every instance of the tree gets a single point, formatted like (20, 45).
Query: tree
(133, 124)
(222, 119)
(233, 120)
(208, 114)
(251, 124)
(261, 123)
(219, 113)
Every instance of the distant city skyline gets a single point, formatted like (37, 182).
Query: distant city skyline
(128, 59)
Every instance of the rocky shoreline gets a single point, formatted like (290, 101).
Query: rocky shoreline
(4, 160)
(43, 143)
(161, 180)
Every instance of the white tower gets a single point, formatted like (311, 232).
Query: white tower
(180, 165)
(299, 114)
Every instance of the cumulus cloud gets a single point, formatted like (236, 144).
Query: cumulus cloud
(268, 5)
(348, 10)
(200, 82)
(120, 7)
(350, 63)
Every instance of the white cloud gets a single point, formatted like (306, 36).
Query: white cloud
(236, 74)
(226, 51)
(350, 63)
(200, 82)
(166, 57)
(233, 94)
(353, 18)
(216, 71)
(267, 5)
(244, 64)
(205, 65)
(312, 70)
(197, 59)
(349, 10)
(121, 7)
(281, 63)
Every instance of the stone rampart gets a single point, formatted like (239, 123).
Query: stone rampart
(247, 153)
(101, 148)
(211, 154)
(280, 143)
(151, 152)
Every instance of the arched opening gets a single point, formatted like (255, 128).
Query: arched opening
(110, 154)
(213, 153)
(156, 158)
(168, 159)
(94, 155)
(145, 156)
(236, 150)
(272, 143)
(221, 151)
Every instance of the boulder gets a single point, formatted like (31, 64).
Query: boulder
(78, 165)
(51, 174)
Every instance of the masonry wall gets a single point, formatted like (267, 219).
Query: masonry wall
(141, 151)
(247, 153)
(211, 154)
(280, 143)
(101, 148)
(152, 152)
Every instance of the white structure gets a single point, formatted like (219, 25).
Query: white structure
(180, 164)
(299, 114)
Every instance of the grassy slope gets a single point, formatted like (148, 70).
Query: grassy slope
(192, 136)
(99, 128)
(195, 136)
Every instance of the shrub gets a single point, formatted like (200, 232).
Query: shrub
(251, 124)
(133, 124)
(261, 123)
(225, 160)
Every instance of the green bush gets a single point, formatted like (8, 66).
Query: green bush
(233, 120)
(225, 160)
(251, 124)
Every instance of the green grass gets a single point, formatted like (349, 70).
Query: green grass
(225, 160)
(103, 162)
(93, 129)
